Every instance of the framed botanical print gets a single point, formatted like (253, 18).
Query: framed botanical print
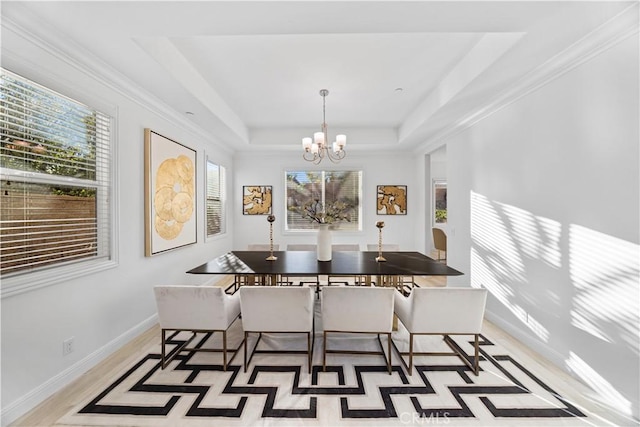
(170, 202)
(256, 199)
(391, 199)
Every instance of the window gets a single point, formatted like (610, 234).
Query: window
(55, 180)
(215, 199)
(326, 187)
(439, 201)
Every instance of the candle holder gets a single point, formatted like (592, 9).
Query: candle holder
(271, 257)
(380, 258)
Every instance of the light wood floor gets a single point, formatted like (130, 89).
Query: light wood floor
(95, 380)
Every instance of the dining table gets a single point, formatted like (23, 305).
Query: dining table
(260, 267)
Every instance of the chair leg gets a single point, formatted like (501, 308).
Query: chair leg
(309, 350)
(476, 358)
(245, 350)
(389, 352)
(324, 351)
(224, 350)
(163, 354)
(410, 353)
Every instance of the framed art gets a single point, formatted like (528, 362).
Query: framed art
(256, 199)
(391, 199)
(170, 202)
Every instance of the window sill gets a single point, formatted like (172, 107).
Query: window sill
(341, 233)
(39, 279)
(214, 237)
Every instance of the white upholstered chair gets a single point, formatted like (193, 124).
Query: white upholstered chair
(314, 280)
(406, 283)
(277, 309)
(197, 309)
(262, 247)
(361, 310)
(348, 247)
(386, 247)
(247, 279)
(301, 247)
(442, 311)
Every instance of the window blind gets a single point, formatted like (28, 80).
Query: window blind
(327, 187)
(55, 179)
(215, 199)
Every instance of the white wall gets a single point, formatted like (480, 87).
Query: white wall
(101, 311)
(269, 169)
(543, 197)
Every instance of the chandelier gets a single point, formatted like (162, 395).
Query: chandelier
(318, 148)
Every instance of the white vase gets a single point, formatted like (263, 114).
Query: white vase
(324, 243)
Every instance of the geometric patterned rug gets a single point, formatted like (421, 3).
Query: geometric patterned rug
(355, 390)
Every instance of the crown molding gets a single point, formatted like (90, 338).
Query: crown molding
(85, 62)
(601, 39)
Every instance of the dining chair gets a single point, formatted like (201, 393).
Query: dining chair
(277, 309)
(248, 279)
(301, 247)
(405, 283)
(357, 310)
(312, 280)
(442, 311)
(262, 247)
(195, 309)
(348, 247)
(386, 247)
(440, 242)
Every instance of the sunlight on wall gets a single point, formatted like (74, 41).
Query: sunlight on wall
(523, 260)
(537, 237)
(503, 236)
(481, 275)
(489, 232)
(607, 394)
(605, 272)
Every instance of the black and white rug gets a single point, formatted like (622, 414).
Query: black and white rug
(355, 390)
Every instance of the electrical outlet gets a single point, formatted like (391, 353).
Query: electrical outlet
(67, 346)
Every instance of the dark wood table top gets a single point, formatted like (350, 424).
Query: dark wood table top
(303, 263)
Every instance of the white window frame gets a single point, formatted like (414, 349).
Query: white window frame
(359, 208)
(222, 176)
(436, 183)
(26, 281)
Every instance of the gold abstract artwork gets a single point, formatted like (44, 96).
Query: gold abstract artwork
(392, 200)
(170, 204)
(256, 200)
(173, 200)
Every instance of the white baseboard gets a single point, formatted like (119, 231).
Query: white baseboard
(551, 355)
(24, 404)
(528, 340)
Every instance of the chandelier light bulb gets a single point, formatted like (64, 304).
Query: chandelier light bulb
(318, 138)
